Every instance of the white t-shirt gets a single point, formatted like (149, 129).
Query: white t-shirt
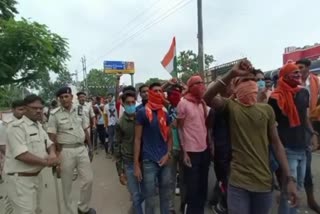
(111, 111)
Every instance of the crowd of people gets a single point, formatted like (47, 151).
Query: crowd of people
(259, 133)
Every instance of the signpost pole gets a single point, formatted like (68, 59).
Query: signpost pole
(132, 80)
(117, 91)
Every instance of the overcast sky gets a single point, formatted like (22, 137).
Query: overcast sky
(259, 30)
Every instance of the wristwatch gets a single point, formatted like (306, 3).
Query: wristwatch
(290, 179)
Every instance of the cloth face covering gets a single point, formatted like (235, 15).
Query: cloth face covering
(247, 92)
(155, 103)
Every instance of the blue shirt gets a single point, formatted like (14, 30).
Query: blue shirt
(153, 145)
(139, 107)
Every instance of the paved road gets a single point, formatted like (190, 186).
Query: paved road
(110, 197)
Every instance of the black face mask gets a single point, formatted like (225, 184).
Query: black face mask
(144, 102)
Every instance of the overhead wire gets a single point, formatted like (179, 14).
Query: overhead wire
(129, 26)
(146, 27)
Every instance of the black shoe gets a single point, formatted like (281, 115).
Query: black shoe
(91, 211)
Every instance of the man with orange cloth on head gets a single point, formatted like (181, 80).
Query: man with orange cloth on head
(153, 137)
(191, 121)
(253, 128)
(290, 103)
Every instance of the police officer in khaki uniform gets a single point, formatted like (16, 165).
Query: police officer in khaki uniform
(87, 108)
(27, 151)
(68, 129)
(17, 111)
(89, 116)
(88, 112)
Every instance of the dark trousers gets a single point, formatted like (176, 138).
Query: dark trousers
(196, 181)
(101, 133)
(111, 136)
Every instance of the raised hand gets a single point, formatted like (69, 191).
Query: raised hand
(242, 68)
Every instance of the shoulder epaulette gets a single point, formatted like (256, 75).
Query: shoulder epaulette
(55, 110)
(16, 123)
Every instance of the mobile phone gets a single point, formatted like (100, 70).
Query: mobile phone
(80, 110)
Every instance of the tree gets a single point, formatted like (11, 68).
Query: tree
(49, 88)
(29, 50)
(100, 83)
(8, 9)
(153, 80)
(187, 64)
(10, 93)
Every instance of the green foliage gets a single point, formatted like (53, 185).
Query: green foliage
(100, 83)
(49, 88)
(153, 80)
(187, 64)
(8, 9)
(9, 93)
(29, 51)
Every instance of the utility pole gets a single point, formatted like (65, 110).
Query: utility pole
(200, 40)
(77, 76)
(77, 79)
(84, 69)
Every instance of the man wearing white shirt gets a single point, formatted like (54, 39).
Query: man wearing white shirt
(111, 111)
(311, 82)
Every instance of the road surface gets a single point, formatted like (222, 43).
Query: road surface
(109, 197)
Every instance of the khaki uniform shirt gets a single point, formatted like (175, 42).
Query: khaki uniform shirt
(3, 130)
(24, 135)
(68, 125)
(88, 112)
(3, 136)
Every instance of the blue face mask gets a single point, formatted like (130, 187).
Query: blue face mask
(130, 109)
(261, 84)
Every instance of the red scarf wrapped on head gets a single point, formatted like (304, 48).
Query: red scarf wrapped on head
(196, 90)
(174, 97)
(284, 94)
(155, 103)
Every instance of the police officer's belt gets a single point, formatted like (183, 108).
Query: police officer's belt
(76, 145)
(24, 174)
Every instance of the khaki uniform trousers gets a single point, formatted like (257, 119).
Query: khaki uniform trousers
(24, 193)
(76, 158)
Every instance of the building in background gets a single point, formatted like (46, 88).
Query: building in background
(217, 71)
(295, 53)
(290, 54)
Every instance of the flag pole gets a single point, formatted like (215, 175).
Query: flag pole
(175, 63)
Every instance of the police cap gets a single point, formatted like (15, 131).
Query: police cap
(63, 90)
(81, 93)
